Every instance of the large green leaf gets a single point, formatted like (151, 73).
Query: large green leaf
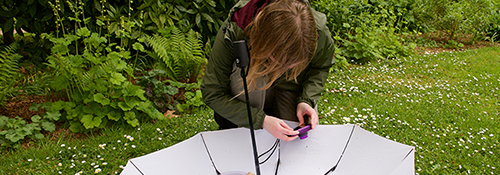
(113, 115)
(3, 120)
(100, 98)
(60, 49)
(39, 136)
(208, 17)
(83, 32)
(131, 118)
(32, 10)
(124, 106)
(117, 78)
(48, 126)
(60, 82)
(76, 126)
(89, 121)
(8, 25)
(53, 115)
(13, 136)
(35, 118)
(138, 46)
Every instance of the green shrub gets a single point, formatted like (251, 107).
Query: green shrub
(493, 29)
(204, 16)
(14, 130)
(157, 91)
(96, 84)
(368, 30)
(93, 73)
(458, 17)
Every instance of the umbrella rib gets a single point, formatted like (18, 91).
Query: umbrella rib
(343, 151)
(136, 167)
(412, 149)
(209, 155)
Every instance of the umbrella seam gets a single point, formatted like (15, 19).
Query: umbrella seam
(137, 168)
(209, 155)
(408, 154)
(341, 155)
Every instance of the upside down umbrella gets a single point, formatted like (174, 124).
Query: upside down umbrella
(328, 149)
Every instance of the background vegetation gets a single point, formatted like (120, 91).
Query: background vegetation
(92, 68)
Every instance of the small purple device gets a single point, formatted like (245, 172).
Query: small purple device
(303, 131)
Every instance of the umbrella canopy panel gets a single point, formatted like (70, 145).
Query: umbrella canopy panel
(318, 153)
(368, 153)
(348, 148)
(186, 157)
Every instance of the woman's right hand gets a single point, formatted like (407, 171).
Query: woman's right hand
(279, 129)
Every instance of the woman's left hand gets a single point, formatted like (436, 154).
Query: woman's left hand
(304, 109)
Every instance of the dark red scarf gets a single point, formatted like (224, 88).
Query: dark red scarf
(244, 16)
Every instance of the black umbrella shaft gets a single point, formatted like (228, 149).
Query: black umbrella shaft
(252, 133)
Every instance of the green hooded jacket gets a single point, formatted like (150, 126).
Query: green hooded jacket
(216, 85)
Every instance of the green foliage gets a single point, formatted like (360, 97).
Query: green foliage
(368, 30)
(180, 55)
(453, 45)
(204, 16)
(28, 15)
(15, 130)
(8, 70)
(193, 99)
(493, 29)
(158, 92)
(458, 17)
(95, 80)
(192, 96)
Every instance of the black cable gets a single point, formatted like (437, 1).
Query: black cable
(274, 145)
(279, 161)
(273, 149)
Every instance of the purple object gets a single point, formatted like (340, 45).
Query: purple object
(303, 131)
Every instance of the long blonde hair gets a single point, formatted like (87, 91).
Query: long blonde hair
(283, 34)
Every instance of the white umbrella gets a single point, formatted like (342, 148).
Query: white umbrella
(329, 149)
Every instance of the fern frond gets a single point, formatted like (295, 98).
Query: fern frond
(182, 53)
(8, 69)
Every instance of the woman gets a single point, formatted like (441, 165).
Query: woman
(291, 53)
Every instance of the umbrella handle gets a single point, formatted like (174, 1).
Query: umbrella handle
(242, 59)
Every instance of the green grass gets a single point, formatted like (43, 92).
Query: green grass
(446, 105)
(105, 152)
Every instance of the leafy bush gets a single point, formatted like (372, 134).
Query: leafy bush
(368, 30)
(462, 16)
(13, 130)
(29, 15)
(493, 29)
(192, 96)
(8, 70)
(204, 16)
(93, 73)
(95, 83)
(157, 91)
(180, 55)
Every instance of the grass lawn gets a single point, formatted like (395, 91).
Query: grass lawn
(446, 105)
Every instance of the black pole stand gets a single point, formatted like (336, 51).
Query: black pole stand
(242, 61)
